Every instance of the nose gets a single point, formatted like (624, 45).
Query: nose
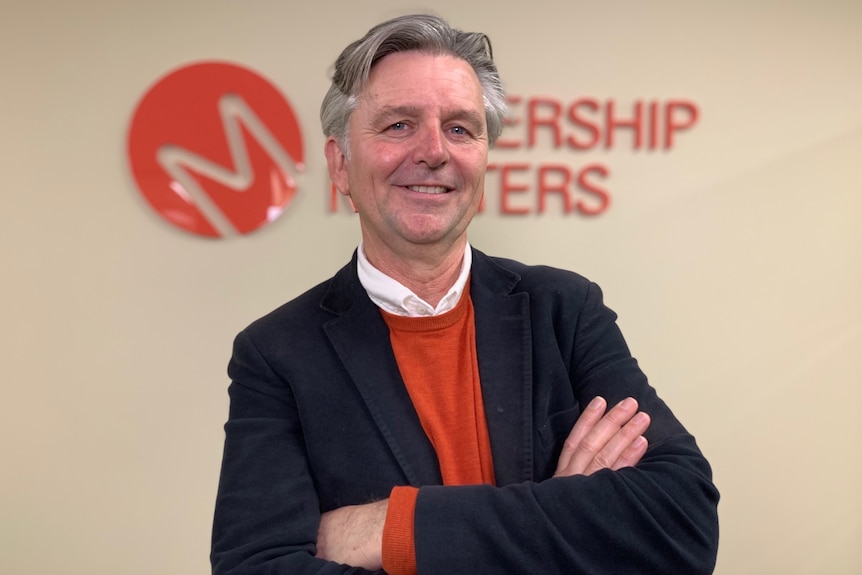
(432, 147)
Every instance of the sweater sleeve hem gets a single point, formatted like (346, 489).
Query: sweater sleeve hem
(399, 549)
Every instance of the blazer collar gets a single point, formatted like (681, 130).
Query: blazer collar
(504, 349)
(503, 340)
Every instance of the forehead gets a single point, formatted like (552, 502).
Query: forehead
(421, 79)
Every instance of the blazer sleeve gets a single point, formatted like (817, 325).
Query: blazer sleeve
(659, 517)
(267, 511)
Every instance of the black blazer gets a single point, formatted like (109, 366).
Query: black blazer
(320, 418)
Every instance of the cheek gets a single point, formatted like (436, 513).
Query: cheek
(389, 160)
(474, 168)
(377, 163)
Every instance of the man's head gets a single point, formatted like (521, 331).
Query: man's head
(409, 33)
(412, 112)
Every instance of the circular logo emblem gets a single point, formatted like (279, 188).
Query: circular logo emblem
(213, 147)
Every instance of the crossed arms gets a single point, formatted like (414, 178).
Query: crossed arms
(353, 535)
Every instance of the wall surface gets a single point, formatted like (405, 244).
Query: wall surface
(733, 257)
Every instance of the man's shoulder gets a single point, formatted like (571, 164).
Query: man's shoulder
(554, 294)
(533, 278)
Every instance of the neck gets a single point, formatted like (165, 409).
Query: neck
(429, 272)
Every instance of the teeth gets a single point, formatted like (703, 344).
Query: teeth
(428, 189)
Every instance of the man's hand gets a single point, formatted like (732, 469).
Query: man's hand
(604, 441)
(353, 535)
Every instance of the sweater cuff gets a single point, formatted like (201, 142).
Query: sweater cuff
(399, 550)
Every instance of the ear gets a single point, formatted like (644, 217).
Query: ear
(337, 164)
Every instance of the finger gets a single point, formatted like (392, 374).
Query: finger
(630, 434)
(633, 453)
(599, 436)
(586, 421)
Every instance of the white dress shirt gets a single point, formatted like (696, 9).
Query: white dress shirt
(394, 297)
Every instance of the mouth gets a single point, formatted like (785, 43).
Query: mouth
(432, 190)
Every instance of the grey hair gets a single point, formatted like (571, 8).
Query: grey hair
(418, 32)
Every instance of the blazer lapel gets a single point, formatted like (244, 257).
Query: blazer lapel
(361, 339)
(504, 347)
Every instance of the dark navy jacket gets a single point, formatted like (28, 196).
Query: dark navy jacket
(320, 418)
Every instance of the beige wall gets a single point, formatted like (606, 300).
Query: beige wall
(733, 259)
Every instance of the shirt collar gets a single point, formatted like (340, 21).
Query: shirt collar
(394, 297)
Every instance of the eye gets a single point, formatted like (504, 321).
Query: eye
(460, 130)
(398, 126)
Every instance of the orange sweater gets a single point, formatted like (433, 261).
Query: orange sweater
(437, 359)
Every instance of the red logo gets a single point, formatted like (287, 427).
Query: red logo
(212, 147)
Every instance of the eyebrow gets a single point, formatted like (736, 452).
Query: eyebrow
(387, 111)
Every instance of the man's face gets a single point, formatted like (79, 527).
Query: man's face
(418, 153)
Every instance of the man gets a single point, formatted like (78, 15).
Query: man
(431, 409)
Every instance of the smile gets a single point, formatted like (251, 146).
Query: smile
(429, 189)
